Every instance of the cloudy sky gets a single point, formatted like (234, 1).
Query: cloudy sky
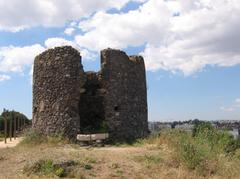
(191, 49)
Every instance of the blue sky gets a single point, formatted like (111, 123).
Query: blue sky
(192, 58)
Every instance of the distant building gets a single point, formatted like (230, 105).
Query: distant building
(158, 126)
(185, 127)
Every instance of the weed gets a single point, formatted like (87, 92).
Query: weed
(149, 159)
(60, 172)
(88, 166)
(115, 166)
(237, 154)
(49, 167)
(200, 150)
(33, 137)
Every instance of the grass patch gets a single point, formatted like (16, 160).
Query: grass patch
(33, 137)
(237, 154)
(88, 166)
(49, 168)
(118, 172)
(87, 163)
(149, 159)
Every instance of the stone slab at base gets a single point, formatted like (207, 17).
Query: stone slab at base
(92, 137)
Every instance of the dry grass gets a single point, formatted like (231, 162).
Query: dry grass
(151, 158)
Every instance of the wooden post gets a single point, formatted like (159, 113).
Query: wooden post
(5, 130)
(21, 123)
(18, 124)
(14, 127)
(10, 126)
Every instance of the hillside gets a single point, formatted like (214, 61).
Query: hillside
(172, 154)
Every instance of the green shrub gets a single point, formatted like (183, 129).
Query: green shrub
(88, 166)
(46, 167)
(201, 150)
(49, 168)
(205, 150)
(41, 167)
(190, 154)
(60, 172)
(219, 141)
(233, 146)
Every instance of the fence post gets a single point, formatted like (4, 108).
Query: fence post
(14, 127)
(10, 125)
(5, 129)
(21, 123)
(18, 124)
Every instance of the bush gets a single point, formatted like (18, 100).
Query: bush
(190, 152)
(218, 141)
(205, 150)
(202, 149)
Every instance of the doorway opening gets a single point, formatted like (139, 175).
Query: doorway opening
(91, 107)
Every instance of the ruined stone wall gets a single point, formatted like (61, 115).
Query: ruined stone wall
(125, 104)
(68, 100)
(56, 84)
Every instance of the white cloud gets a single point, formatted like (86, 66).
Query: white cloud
(15, 59)
(181, 36)
(147, 24)
(16, 14)
(57, 42)
(237, 103)
(233, 107)
(229, 109)
(4, 78)
(88, 55)
(204, 33)
(237, 100)
(69, 31)
(73, 24)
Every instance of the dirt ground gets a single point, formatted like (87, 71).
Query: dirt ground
(9, 143)
(137, 162)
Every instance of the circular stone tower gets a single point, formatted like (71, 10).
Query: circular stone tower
(56, 85)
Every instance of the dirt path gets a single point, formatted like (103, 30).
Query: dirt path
(9, 143)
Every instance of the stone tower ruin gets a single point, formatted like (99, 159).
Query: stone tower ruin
(70, 101)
